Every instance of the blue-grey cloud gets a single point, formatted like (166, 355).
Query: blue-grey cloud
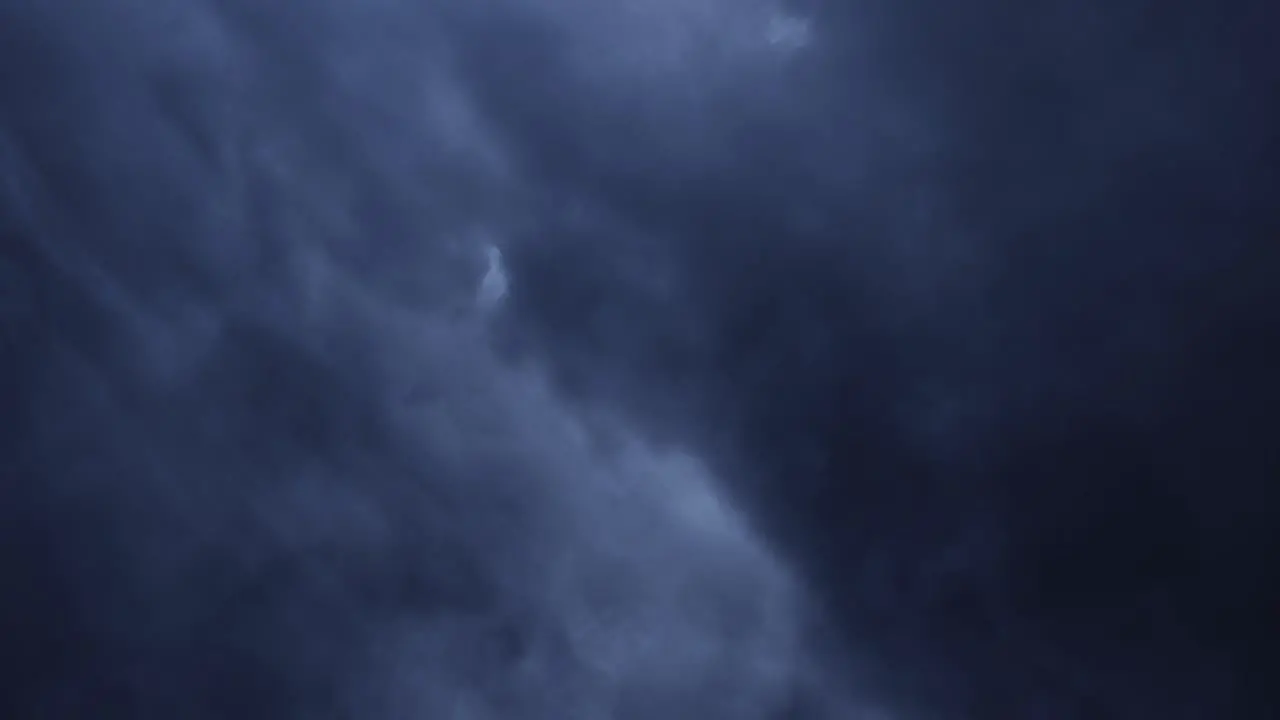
(701, 359)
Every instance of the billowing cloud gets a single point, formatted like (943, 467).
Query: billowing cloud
(567, 359)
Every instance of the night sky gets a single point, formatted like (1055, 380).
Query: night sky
(639, 360)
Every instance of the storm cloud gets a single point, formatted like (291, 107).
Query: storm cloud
(679, 359)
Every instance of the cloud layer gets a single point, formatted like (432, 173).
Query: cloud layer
(567, 359)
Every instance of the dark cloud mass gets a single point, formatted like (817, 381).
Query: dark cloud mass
(685, 359)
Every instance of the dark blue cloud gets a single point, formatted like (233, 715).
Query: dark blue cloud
(849, 360)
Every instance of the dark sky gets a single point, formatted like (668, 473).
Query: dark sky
(664, 360)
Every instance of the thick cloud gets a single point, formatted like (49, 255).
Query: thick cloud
(558, 359)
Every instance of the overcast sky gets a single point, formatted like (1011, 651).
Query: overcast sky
(620, 360)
